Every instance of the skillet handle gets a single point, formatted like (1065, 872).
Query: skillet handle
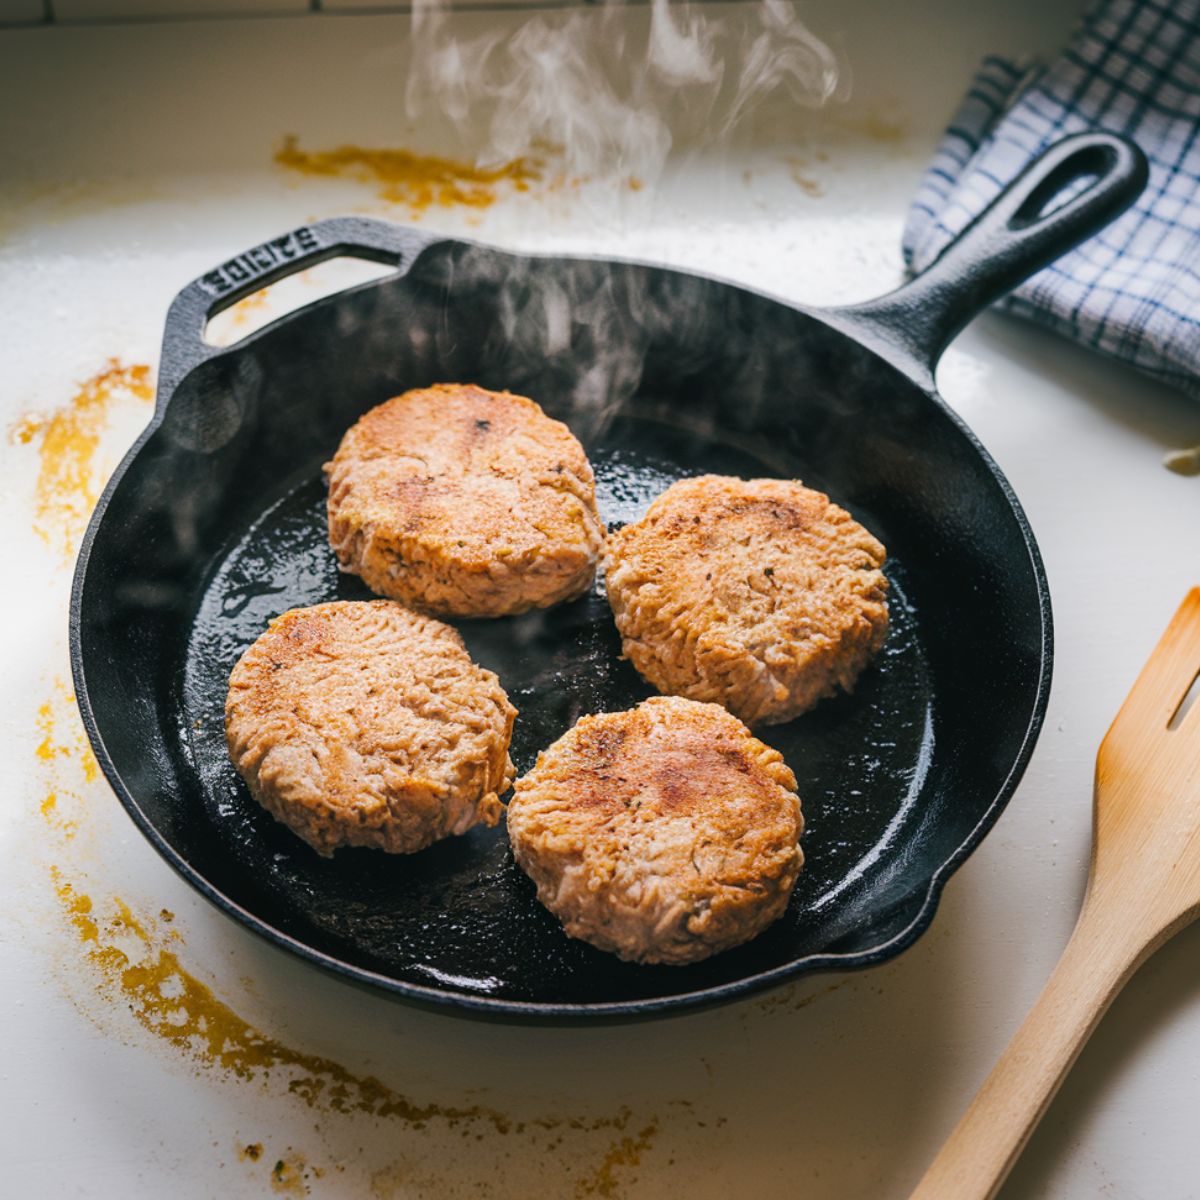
(184, 347)
(1009, 241)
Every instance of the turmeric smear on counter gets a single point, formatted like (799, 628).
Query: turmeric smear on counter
(136, 962)
(420, 181)
(69, 478)
(625, 1152)
(289, 1175)
(138, 966)
(53, 746)
(135, 966)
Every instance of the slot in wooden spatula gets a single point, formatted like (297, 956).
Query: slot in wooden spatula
(1143, 886)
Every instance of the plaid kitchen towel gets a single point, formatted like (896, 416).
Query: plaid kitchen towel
(1133, 290)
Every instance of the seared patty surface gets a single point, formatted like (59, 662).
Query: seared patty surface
(464, 502)
(362, 723)
(663, 834)
(760, 595)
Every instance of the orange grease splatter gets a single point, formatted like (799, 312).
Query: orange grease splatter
(69, 479)
(420, 181)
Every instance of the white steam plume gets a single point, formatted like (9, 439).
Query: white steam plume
(612, 88)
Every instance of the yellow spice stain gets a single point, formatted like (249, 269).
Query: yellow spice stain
(51, 746)
(69, 478)
(55, 819)
(626, 1152)
(806, 183)
(418, 181)
(249, 306)
(48, 749)
(884, 128)
(137, 965)
(879, 128)
(288, 1176)
(137, 968)
(24, 430)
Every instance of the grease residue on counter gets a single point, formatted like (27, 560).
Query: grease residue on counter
(69, 477)
(418, 181)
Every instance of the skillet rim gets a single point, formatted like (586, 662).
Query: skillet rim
(534, 1012)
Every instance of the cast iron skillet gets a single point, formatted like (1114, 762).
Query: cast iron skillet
(214, 522)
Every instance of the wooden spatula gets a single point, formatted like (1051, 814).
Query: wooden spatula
(1143, 886)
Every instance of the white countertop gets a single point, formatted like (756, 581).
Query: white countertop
(136, 157)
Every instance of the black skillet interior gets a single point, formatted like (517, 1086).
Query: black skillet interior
(215, 523)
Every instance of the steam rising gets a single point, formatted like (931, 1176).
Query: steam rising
(585, 337)
(613, 89)
(607, 92)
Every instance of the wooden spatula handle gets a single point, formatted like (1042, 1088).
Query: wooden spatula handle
(979, 1154)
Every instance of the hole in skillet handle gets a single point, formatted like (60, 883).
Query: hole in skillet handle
(1071, 178)
(233, 324)
(1067, 194)
(184, 345)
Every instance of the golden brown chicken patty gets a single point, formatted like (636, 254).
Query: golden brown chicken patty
(464, 502)
(361, 723)
(760, 595)
(664, 834)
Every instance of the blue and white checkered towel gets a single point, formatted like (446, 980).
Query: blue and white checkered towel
(1133, 290)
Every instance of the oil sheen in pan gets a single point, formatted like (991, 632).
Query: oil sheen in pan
(461, 915)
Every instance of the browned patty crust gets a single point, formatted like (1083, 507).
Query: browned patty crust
(663, 834)
(362, 723)
(464, 502)
(760, 595)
